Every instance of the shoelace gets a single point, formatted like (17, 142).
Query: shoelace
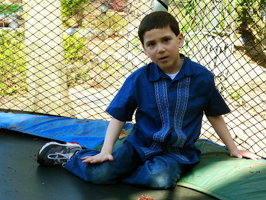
(58, 157)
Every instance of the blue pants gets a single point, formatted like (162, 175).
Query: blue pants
(160, 172)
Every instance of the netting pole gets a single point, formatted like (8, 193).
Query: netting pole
(160, 5)
(45, 59)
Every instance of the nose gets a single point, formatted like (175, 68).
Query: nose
(161, 48)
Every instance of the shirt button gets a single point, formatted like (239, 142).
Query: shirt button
(171, 108)
(172, 128)
(171, 89)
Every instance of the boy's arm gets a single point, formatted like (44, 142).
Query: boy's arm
(221, 129)
(114, 129)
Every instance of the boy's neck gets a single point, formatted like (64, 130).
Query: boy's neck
(178, 68)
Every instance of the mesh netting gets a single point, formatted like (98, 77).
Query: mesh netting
(69, 58)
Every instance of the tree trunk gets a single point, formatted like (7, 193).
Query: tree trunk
(46, 74)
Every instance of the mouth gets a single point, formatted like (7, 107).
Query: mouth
(163, 58)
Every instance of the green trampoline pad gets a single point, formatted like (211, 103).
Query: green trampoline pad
(224, 177)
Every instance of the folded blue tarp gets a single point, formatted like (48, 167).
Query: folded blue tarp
(89, 133)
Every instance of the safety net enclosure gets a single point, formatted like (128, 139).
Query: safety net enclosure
(69, 58)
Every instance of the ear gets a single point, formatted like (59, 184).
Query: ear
(180, 40)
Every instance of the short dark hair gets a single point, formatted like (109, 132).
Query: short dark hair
(157, 20)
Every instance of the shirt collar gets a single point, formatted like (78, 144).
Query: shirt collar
(155, 73)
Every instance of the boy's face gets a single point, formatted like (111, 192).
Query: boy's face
(162, 47)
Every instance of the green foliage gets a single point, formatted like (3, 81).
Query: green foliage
(110, 23)
(75, 49)
(104, 65)
(238, 94)
(9, 8)
(245, 7)
(12, 62)
(13, 72)
(190, 8)
(249, 12)
(73, 8)
(136, 47)
(246, 10)
(77, 75)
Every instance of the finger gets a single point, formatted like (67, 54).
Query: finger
(101, 159)
(110, 158)
(239, 156)
(251, 156)
(85, 157)
(89, 159)
(94, 161)
(255, 157)
(236, 155)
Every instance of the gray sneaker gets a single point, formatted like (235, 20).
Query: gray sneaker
(54, 153)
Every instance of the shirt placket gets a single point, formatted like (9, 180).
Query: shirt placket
(182, 92)
(172, 96)
(178, 93)
(161, 97)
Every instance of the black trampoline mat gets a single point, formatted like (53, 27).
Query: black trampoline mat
(22, 178)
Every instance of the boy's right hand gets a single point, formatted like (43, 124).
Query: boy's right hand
(99, 158)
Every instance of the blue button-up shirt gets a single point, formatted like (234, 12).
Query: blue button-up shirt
(168, 112)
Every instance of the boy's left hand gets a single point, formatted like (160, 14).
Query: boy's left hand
(244, 154)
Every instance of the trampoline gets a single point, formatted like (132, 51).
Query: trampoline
(22, 178)
(217, 175)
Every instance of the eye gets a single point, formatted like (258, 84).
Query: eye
(166, 39)
(151, 44)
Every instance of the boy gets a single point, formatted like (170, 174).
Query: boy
(170, 95)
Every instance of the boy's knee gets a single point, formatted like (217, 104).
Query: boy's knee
(101, 176)
(161, 181)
